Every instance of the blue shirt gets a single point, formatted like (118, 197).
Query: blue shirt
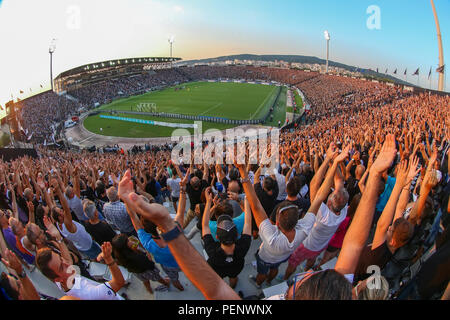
(158, 188)
(238, 221)
(163, 256)
(384, 197)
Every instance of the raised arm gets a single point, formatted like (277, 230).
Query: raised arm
(12, 262)
(386, 218)
(257, 209)
(358, 232)
(71, 227)
(188, 258)
(117, 281)
(207, 214)
(247, 219)
(320, 174)
(181, 203)
(413, 170)
(76, 182)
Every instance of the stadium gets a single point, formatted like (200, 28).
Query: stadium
(336, 186)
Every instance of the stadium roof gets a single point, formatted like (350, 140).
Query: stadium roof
(115, 63)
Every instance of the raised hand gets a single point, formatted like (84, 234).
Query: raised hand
(332, 151)
(51, 229)
(344, 154)
(413, 169)
(11, 261)
(106, 253)
(402, 173)
(386, 156)
(125, 186)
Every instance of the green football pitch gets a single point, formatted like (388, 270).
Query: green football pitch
(237, 101)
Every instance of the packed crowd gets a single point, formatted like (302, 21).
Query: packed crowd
(106, 91)
(42, 113)
(365, 183)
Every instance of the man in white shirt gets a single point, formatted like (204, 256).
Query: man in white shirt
(73, 230)
(278, 241)
(57, 266)
(329, 216)
(174, 186)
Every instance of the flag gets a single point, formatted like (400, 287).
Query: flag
(377, 70)
(429, 74)
(440, 69)
(41, 85)
(395, 72)
(405, 72)
(416, 73)
(386, 71)
(20, 91)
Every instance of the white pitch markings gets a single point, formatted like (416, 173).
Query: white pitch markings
(262, 104)
(212, 108)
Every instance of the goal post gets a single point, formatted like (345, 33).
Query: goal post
(146, 107)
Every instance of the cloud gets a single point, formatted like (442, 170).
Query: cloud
(178, 8)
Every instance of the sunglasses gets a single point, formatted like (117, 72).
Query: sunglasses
(299, 279)
(288, 207)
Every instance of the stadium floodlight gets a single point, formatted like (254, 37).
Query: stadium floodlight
(327, 37)
(171, 41)
(51, 49)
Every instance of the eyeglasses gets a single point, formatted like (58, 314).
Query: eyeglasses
(299, 279)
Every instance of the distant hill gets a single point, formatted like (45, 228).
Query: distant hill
(303, 59)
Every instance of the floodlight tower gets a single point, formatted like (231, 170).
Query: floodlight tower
(441, 50)
(51, 49)
(171, 41)
(327, 37)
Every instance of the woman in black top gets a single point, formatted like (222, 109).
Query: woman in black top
(136, 261)
(227, 258)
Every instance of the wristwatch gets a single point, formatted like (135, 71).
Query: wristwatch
(245, 180)
(172, 234)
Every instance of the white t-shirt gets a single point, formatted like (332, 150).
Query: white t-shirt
(275, 246)
(174, 185)
(327, 222)
(80, 239)
(281, 180)
(87, 289)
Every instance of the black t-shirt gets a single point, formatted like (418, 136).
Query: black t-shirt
(379, 256)
(101, 232)
(88, 193)
(267, 201)
(434, 274)
(223, 264)
(352, 187)
(194, 195)
(302, 204)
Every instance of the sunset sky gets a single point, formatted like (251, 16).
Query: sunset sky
(96, 30)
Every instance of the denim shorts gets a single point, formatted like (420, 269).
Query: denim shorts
(264, 267)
